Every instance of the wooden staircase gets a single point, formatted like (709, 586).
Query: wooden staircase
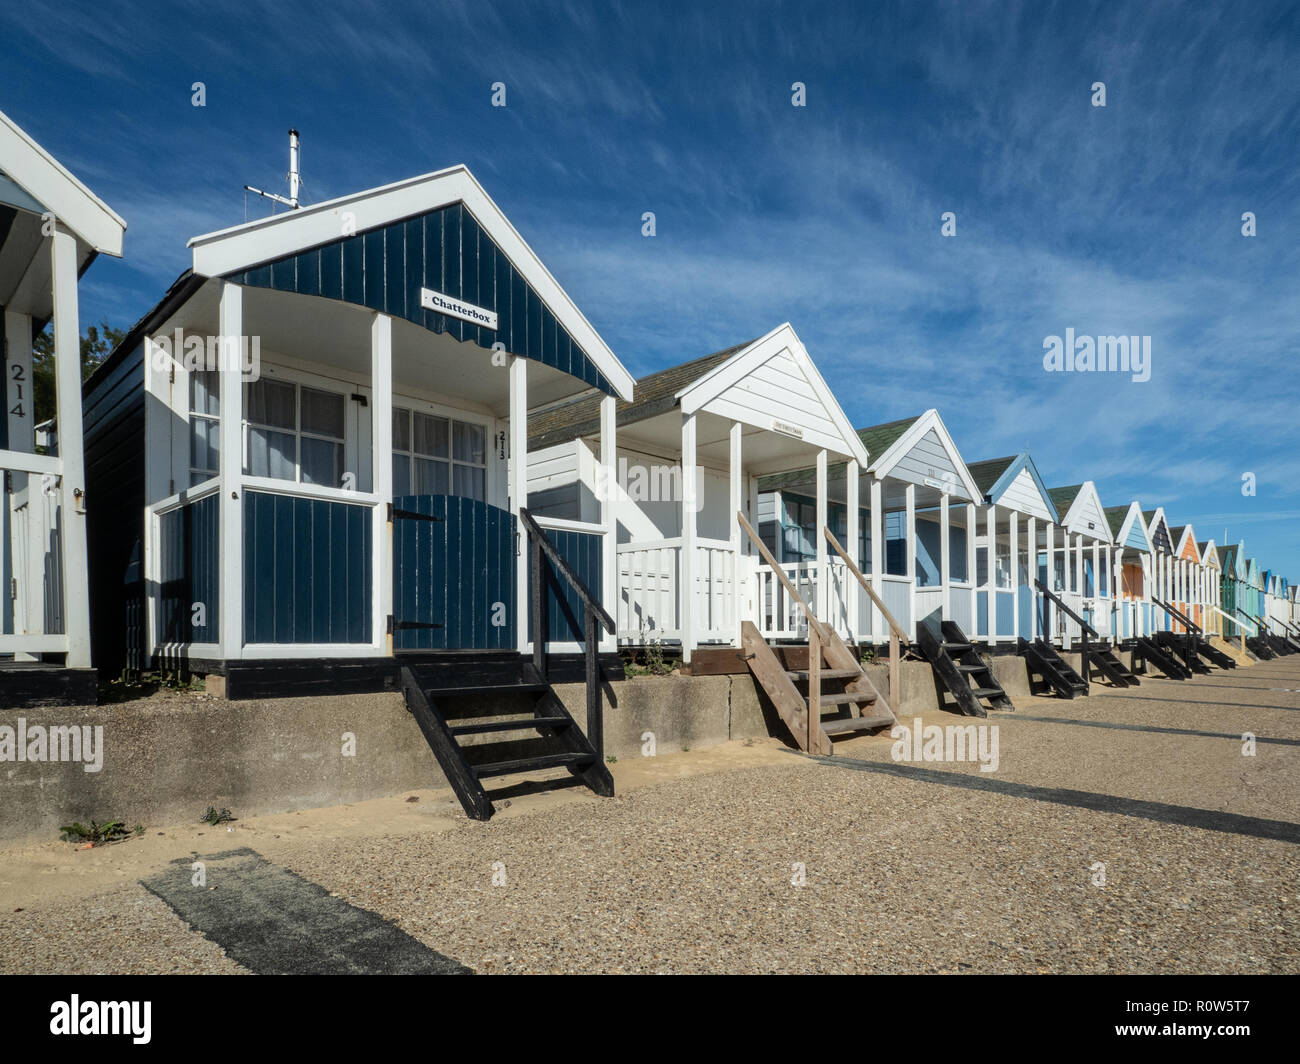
(1102, 656)
(446, 714)
(1215, 655)
(957, 664)
(816, 716)
(1168, 663)
(1183, 647)
(455, 700)
(1056, 672)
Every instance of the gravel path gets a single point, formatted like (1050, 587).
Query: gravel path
(902, 874)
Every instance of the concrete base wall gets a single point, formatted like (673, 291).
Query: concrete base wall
(166, 761)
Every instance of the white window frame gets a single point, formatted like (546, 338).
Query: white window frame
(492, 467)
(356, 424)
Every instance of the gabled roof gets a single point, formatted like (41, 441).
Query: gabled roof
(52, 187)
(900, 437)
(1181, 536)
(1115, 516)
(879, 438)
(1209, 554)
(654, 393)
(244, 251)
(1063, 498)
(1077, 503)
(994, 476)
(1157, 517)
(719, 383)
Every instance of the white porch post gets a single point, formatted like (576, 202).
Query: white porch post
(28, 569)
(230, 330)
(517, 481)
(686, 593)
(822, 605)
(991, 574)
(734, 587)
(67, 385)
(910, 497)
(971, 527)
(877, 558)
(609, 593)
(945, 556)
(1014, 553)
(1049, 608)
(851, 518)
(1031, 573)
(381, 464)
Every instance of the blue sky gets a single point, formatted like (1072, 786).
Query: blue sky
(1124, 219)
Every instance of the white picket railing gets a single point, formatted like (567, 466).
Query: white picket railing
(649, 591)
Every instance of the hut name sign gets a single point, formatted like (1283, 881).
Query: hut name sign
(457, 308)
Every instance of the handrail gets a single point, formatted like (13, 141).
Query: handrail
(866, 586)
(594, 614)
(780, 573)
(1066, 609)
(1192, 627)
(566, 570)
(1233, 620)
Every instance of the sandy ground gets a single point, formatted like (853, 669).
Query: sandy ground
(750, 858)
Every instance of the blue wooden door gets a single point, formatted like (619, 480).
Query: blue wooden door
(453, 574)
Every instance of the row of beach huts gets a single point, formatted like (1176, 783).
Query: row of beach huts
(372, 441)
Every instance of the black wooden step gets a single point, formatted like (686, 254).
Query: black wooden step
(491, 690)
(972, 668)
(848, 725)
(531, 764)
(512, 724)
(986, 692)
(961, 648)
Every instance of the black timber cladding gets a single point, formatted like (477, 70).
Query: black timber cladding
(445, 250)
(113, 414)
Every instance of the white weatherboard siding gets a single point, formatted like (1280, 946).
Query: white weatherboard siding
(1087, 510)
(776, 391)
(928, 459)
(1023, 496)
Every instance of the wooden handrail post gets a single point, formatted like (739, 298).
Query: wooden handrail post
(595, 717)
(814, 686)
(538, 602)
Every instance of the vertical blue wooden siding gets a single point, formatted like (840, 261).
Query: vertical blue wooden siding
(190, 556)
(567, 613)
(306, 570)
(457, 572)
(445, 250)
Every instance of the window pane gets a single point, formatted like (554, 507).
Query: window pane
(271, 454)
(401, 430)
(469, 443)
(203, 444)
(470, 482)
(430, 436)
(401, 474)
(431, 478)
(203, 392)
(322, 462)
(271, 403)
(322, 413)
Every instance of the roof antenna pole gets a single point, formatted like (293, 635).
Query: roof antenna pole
(295, 178)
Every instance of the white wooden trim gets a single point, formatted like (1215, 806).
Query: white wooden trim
(972, 522)
(22, 462)
(38, 644)
(823, 572)
(230, 317)
(609, 516)
(381, 479)
(909, 495)
(263, 651)
(945, 556)
(1014, 547)
(55, 187)
(517, 489)
(852, 519)
(877, 556)
(72, 455)
(686, 593)
(991, 573)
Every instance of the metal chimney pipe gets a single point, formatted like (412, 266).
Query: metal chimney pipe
(294, 176)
